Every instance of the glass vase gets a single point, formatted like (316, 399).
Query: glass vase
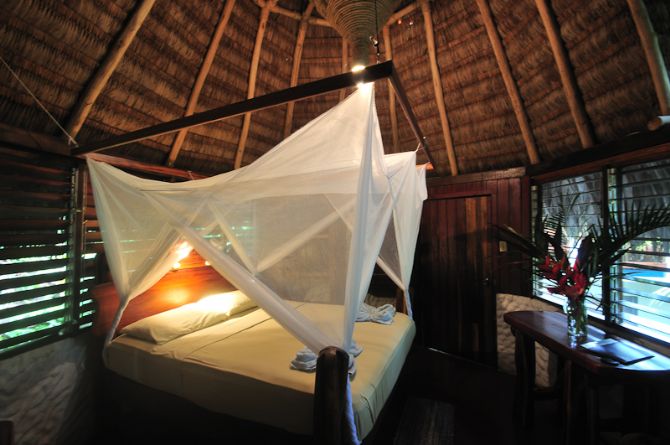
(575, 310)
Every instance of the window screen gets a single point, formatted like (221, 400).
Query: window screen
(641, 289)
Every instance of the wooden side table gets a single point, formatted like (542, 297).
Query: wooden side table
(550, 330)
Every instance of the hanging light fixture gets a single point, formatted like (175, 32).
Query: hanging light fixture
(357, 21)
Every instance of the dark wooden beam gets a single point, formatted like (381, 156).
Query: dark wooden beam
(409, 114)
(316, 88)
(159, 170)
(330, 402)
(639, 147)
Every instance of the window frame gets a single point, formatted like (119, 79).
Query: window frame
(609, 172)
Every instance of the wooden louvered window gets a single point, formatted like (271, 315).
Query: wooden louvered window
(40, 251)
(579, 198)
(637, 296)
(641, 287)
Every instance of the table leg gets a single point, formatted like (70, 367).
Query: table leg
(524, 357)
(592, 410)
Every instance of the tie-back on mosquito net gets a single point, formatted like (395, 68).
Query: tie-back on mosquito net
(305, 222)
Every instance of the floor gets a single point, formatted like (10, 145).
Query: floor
(482, 401)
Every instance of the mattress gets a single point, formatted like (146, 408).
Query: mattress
(241, 368)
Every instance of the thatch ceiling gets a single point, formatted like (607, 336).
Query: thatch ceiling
(57, 47)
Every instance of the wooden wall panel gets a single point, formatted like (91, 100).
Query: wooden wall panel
(459, 268)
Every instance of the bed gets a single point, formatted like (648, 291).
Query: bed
(240, 367)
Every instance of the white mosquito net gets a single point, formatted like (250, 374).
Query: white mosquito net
(305, 222)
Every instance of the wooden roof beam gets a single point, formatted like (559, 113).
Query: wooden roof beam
(253, 73)
(567, 74)
(372, 73)
(295, 71)
(652, 52)
(392, 111)
(508, 79)
(82, 108)
(402, 13)
(437, 86)
(202, 76)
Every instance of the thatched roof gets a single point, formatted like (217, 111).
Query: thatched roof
(58, 47)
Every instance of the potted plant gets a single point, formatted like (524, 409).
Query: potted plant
(572, 275)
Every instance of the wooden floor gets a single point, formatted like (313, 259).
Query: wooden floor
(480, 400)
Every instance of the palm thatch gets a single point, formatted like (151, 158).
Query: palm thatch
(57, 47)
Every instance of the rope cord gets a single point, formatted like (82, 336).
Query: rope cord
(70, 139)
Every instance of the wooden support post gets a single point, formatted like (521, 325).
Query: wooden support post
(83, 106)
(652, 52)
(392, 110)
(345, 65)
(330, 403)
(570, 87)
(202, 76)
(295, 71)
(437, 86)
(510, 84)
(253, 72)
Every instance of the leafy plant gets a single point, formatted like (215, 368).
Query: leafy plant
(601, 248)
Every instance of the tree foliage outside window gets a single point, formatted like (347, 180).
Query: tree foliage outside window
(637, 294)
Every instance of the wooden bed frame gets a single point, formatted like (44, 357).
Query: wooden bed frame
(330, 426)
(189, 284)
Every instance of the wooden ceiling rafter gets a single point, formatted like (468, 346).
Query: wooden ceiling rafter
(508, 79)
(652, 53)
(295, 70)
(201, 77)
(392, 111)
(98, 81)
(437, 87)
(567, 74)
(253, 73)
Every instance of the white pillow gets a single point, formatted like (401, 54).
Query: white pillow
(168, 325)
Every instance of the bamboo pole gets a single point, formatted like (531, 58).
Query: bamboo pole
(652, 52)
(345, 65)
(253, 72)
(508, 79)
(567, 74)
(392, 111)
(116, 52)
(437, 86)
(202, 76)
(295, 71)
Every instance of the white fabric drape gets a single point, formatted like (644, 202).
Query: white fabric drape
(305, 222)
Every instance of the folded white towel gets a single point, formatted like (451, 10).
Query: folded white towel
(383, 314)
(305, 359)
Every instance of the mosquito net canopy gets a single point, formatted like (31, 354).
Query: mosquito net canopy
(305, 222)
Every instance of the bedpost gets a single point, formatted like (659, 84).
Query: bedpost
(330, 400)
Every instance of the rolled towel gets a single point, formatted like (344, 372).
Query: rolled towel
(305, 359)
(383, 314)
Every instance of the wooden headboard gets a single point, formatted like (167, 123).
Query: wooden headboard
(192, 281)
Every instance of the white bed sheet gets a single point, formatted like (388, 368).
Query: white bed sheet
(241, 368)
